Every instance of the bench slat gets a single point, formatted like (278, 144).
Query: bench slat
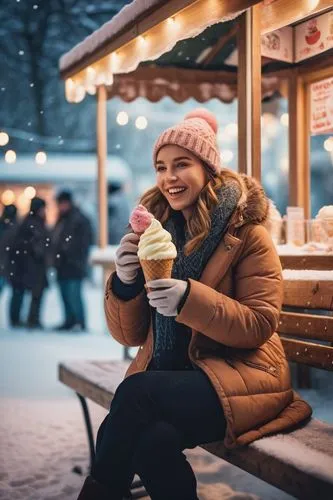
(316, 355)
(309, 294)
(268, 458)
(306, 326)
(300, 262)
(284, 460)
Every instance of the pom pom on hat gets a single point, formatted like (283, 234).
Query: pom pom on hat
(197, 134)
(204, 114)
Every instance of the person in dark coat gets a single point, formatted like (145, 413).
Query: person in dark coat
(71, 239)
(8, 222)
(28, 264)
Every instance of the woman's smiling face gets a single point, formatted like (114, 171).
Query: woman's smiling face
(178, 168)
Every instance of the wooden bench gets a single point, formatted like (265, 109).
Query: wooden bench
(299, 462)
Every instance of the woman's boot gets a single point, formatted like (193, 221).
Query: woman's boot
(92, 490)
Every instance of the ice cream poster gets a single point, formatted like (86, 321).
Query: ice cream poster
(278, 44)
(314, 36)
(321, 99)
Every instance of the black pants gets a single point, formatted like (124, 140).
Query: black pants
(154, 416)
(16, 302)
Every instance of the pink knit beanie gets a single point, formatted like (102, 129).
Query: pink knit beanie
(196, 133)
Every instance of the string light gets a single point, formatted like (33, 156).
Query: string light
(122, 118)
(29, 192)
(4, 138)
(10, 156)
(141, 122)
(7, 197)
(40, 158)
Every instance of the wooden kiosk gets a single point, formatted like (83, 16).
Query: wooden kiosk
(180, 48)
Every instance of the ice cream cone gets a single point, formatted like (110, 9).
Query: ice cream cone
(156, 269)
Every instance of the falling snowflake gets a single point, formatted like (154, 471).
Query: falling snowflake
(47, 239)
(3, 89)
(21, 52)
(32, 84)
(58, 255)
(35, 7)
(42, 112)
(12, 261)
(7, 249)
(29, 124)
(31, 139)
(31, 212)
(31, 226)
(118, 146)
(17, 252)
(66, 239)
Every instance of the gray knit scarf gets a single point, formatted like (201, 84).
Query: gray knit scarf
(172, 338)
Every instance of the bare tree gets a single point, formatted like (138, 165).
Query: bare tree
(33, 35)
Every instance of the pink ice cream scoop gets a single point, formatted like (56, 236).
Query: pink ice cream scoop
(140, 219)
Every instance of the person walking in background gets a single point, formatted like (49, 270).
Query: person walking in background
(71, 239)
(8, 223)
(28, 263)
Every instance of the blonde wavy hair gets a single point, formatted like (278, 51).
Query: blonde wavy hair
(199, 223)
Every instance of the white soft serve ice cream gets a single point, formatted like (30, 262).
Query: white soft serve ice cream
(155, 243)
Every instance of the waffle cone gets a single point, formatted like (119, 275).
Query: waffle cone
(156, 269)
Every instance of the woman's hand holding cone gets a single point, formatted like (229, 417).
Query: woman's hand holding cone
(127, 261)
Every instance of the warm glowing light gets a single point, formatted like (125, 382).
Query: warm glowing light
(232, 129)
(4, 138)
(171, 21)
(122, 118)
(141, 122)
(10, 156)
(328, 144)
(142, 40)
(23, 202)
(29, 192)
(70, 89)
(284, 119)
(227, 156)
(80, 93)
(41, 158)
(7, 197)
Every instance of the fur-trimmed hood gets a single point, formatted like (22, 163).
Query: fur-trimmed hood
(253, 205)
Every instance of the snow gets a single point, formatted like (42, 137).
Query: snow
(298, 454)
(106, 255)
(307, 274)
(42, 431)
(128, 15)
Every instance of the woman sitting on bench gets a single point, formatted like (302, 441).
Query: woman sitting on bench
(210, 366)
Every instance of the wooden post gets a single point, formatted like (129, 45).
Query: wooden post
(101, 140)
(249, 93)
(299, 146)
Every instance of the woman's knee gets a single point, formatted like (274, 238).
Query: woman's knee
(160, 441)
(133, 396)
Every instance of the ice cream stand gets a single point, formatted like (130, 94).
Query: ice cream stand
(179, 48)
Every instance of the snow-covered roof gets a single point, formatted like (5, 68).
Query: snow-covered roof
(128, 15)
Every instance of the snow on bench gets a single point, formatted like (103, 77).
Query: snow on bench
(298, 462)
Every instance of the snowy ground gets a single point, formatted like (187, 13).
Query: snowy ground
(41, 427)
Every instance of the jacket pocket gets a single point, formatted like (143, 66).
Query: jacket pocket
(272, 370)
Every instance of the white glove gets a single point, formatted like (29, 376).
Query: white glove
(127, 260)
(167, 295)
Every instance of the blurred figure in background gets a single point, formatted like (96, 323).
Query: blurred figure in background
(8, 222)
(118, 213)
(71, 239)
(28, 256)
